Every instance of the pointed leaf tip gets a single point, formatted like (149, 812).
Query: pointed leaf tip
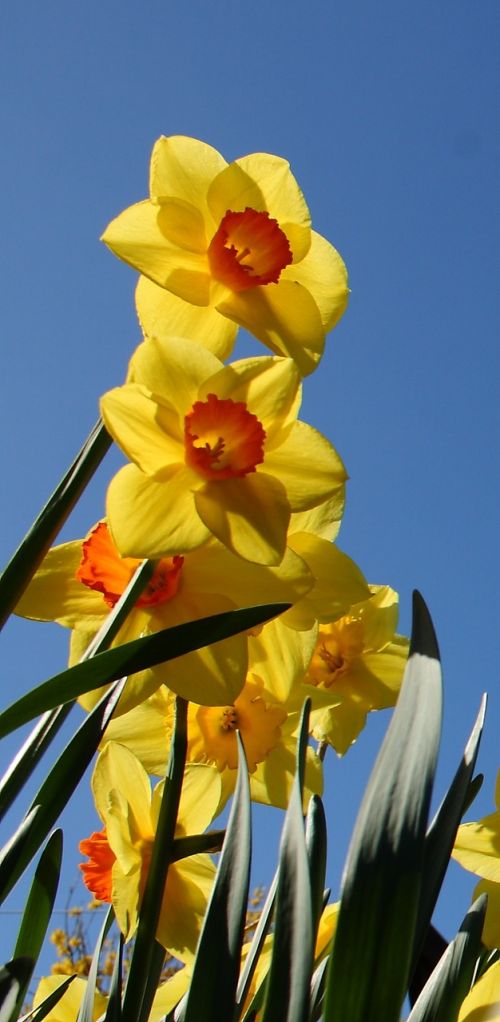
(423, 637)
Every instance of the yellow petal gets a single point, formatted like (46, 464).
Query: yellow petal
(68, 1006)
(477, 847)
(162, 314)
(338, 582)
(136, 423)
(55, 594)
(188, 888)
(323, 520)
(270, 387)
(138, 237)
(213, 568)
(272, 782)
(482, 1003)
(145, 730)
(152, 519)
(183, 168)
(307, 465)
(173, 369)
(280, 656)
(379, 615)
(284, 316)
(323, 273)
(340, 725)
(169, 994)
(114, 764)
(200, 797)
(249, 515)
(126, 898)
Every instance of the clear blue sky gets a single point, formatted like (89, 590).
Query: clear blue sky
(389, 115)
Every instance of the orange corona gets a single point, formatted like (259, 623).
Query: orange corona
(223, 439)
(103, 570)
(248, 249)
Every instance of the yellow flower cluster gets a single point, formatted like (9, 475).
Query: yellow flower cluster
(238, 501)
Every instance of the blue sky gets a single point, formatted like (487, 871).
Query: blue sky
(389, 115)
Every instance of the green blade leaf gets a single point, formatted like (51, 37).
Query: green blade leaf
(29, 755)
(442, 831)
(288, 987)
(55, 791)
(114, 1005)
(211, 841)
(86, 1013)
(369, 966)
(446, 988)
(316, 844)
(146, 958)
(12, 978)
(39, 905)
(132, 657)
(42, 533)
(212, 990)
(256, 946)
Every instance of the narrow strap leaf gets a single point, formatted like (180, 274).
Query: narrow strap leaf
(86, 1013)
(446, 988)
(132, 657)
(39, 905)
(42, 533)
(212, 990)
(13, 977)
(370, 962)
(55, 791)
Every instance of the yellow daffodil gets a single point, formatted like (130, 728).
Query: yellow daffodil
(235, 242)
(79, 582)
(215, 450)
(357, 666)
(267, 727)
(477, 848)
(120, 854)
(482, 1003)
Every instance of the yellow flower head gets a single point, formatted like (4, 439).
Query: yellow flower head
(78, 583)
(215, 450)
(357, 666)
(230, 242)
(120, 855)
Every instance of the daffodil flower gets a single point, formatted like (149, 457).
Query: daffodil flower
(477, 848)
(216, 451)
(233, 242)
(80, 581)
(68, 1006)
(267, 727)
(120, 855)
(357, 666)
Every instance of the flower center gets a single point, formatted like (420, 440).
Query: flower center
(248, 249)
(97, 872)
(223, 439)
(102, 569)
(212, 734)
(338, 645)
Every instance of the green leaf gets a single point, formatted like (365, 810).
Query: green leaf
(114, 1005)
(42, 1010)
(211, 841)
(55, 792)
(288, 987)
(256, 946)
(369, 966)
(316, 844)
(442, 996)
(132, 657)
(442, 831)
(39, 905)
(86, 1013)
(42, 533)
(145, 957)
(212, 990)
(29, 755)
(12, 978)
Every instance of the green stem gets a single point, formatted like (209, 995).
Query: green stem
(42, 533)
(140, 988)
